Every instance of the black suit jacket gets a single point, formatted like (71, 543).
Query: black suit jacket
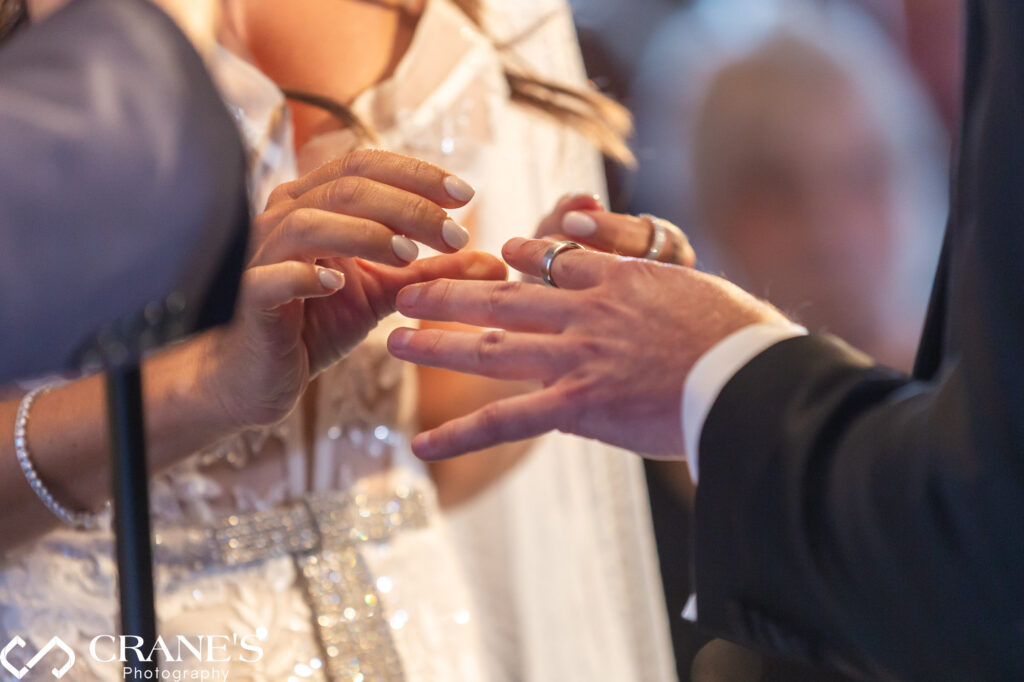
(850, 515)
(122, 180)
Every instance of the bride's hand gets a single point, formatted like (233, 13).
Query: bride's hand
(331, 252)
(582, 218)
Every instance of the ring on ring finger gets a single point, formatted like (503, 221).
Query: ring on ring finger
(549, 259)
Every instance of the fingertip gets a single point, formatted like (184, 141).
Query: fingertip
(404, 248)
(511, 246)
(331, 280)
(579, 224)
(399, 339)
(454, 235)
(588, 201)
(405, 302)
(689, 257)
(458, 189)
(422, 448)
(484, 266)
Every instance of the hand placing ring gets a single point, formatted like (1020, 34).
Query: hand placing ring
(549, 259)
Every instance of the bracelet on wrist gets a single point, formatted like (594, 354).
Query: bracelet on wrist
(77, 519)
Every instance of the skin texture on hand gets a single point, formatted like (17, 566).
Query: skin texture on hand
(445, 395)
(329, 259)
(612, 347)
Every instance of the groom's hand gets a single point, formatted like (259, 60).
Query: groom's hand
(611, 347)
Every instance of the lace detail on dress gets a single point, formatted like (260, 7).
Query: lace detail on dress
(187, 493)
(364, 410)
(371, 605)
(524, 539)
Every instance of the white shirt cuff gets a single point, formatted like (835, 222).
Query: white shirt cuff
(715, 368)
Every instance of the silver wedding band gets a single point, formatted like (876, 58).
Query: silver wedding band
(659, 236)
(549, 260)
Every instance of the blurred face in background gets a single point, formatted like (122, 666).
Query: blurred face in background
(794, 186)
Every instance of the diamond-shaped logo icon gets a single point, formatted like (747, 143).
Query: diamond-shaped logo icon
(19, 643)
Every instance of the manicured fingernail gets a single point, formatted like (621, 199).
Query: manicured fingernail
(400, 338)
(408, 296)
(404, 248)
(578, 224)
(458, 189)
(454, 235)
(331, 279)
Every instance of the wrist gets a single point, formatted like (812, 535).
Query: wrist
(236, 389)
(212, 384)
(186, 381)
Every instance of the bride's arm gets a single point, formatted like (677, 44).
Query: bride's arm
(67, 437)
(295, 318)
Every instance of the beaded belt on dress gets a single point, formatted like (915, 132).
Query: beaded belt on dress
(322, 533)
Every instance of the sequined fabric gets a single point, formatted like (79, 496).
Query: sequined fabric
(322, 533)
(550, 576)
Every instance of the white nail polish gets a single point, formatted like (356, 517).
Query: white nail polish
(458, 189)
(331, 279)
(404, 248)
(454, 235)
(578, 224)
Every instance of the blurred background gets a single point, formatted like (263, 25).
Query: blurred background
(804, 147)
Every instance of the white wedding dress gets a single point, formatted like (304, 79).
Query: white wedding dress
(322, 536)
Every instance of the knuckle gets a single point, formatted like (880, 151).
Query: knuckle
(262, 226)
(488, 345)
(335, 168)
(345, 191)
(425, 212)
(490, 420)
(442, 290)
(296, 271)
(586, 349)
(298, 224)
(574, 393)
(502, 294)
(434, 340)
(419, 167)
(282, 192)
(359, 161)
